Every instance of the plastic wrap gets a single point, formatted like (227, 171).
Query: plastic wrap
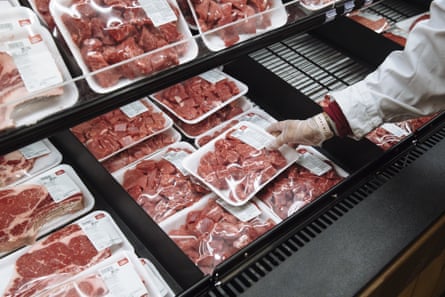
(160, 185)
(254, 115)
(371, 21)
(102, 33)
(208, 234)
(22, 164)
(314, 5)
(194, 99)
(141, 150)
(236, 164)
(40, 205)
(61, 255)
(301, 183)
(113, 132)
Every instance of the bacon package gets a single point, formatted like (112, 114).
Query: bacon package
(302, 183)
(196, 98)
(209, 234)
(160, 185)
(236, 164)
(111, 133)
(141, 150)
(101, 33)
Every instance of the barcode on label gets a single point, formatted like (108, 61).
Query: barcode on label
(15, 45)
(159, 11)
(6, 27)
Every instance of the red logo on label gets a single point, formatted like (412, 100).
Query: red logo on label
(60, 172)
(99, 216)
(24, 22)
(35, 39)
(243, 127)
(122, 262)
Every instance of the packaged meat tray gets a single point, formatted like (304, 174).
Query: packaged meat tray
(40, 205)
(14, 18)
(315, 5)
(226, 113)
(37, 82)
(302, 183)
(194, 99)
(61, 255)
(222, 24)
(237, 164)
(209, 234)
(141, 150)
(372, 21)
(120, 275)
(24, 163)
(102, 33)
(255, 115)
(122, 128)
(8, 4)
(158, 281)
(160, 185)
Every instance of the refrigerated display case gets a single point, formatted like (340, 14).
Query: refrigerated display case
(336, 245)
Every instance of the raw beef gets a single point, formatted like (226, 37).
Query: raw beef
(196, 96)
(238, 167)
(160, 188)
(211, 235)
(295, 188)
(14, 166)
(23, 211)
(371, 21)
(52, 260)
(207, 138)
(118, 31)
(110, 132)
(13, 90)
(138, 151)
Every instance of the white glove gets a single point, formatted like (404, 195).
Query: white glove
(312, 131)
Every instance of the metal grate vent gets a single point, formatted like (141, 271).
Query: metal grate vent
(252, 274)
(394, 10)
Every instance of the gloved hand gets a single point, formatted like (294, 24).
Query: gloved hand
(312, 131)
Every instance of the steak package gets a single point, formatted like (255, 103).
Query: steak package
(141, 150)
(24, 163)
(194, 99)
(237, 164)
(40, 205)
(152, 35)
(224, 23)
(226, 113)
(61, 255)
(307, 179)
(160, 185)
(34, 81)
(254, 115)
(117, 130)
(209, 234)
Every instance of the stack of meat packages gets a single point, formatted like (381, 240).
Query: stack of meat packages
(127, 134)
(89, 257)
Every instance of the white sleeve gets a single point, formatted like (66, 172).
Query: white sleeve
(409, 83)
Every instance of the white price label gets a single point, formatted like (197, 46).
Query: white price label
(159, 11)
(134, 109)
(250, 137)
(212, 76)
(34, 62)
(35, 150)
(313, 164)
(4, 27)
(123, 280)
(256, 119)
(176, 157)
(59, 185)
(244, 213)
(157, 279)
(395, 130)
(100, 231)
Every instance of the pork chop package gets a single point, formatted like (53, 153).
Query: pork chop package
(40, 205)
(120, 275)
(224, 23)
(28, 161)
(237, 164)
(194, 99)
(160, 185)
(35, 81)
(255, 115)
(226, 113)
(303, 182)
(208, 233)
(61, 255)
(115, 131)
(141, 150)
(152, 35)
